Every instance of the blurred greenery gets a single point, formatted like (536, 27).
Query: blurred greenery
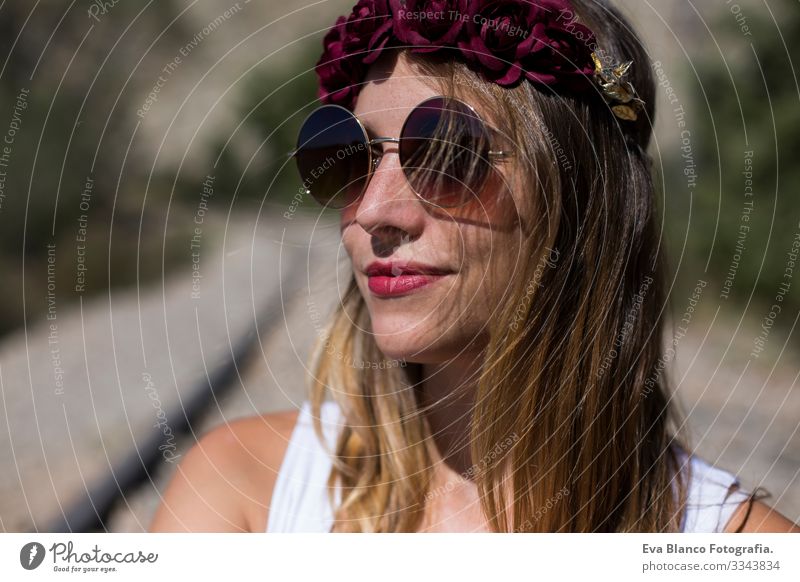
(85, 79)
(252, 162)
(749, 102)
(76, 123)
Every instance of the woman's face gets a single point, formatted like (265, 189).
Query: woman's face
(424, 271)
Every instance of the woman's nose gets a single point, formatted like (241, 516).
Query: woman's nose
(389, 204)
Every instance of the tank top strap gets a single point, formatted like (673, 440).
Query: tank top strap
(300, 499)
(710, 505)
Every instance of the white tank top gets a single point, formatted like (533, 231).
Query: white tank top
(300, 499)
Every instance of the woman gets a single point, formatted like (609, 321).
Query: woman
(496, 362)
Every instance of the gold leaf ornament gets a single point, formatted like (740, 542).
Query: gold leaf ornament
(618, 93)
(625, 112)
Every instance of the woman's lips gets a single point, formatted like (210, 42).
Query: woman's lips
(396, 279)
(393, 286)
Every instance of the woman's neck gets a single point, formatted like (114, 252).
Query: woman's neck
(447, 397)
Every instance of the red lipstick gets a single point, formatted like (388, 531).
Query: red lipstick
(397, 278)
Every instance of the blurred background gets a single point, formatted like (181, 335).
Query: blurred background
(161, 277)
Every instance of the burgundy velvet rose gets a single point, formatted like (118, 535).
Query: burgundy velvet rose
(340, 72)
(562, 54)
(368, 28)
(497, 36)
(350, 46)
(537, 40)
(428, 25)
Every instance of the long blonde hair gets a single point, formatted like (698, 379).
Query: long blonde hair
(570, 384)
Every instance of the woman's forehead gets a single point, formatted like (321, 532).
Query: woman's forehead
(392, 87)
(394, 84)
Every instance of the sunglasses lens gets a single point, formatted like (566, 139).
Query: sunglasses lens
(444, 152)
(332, 156)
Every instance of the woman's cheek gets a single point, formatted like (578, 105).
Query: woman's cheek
(348, 215)
(347, 219)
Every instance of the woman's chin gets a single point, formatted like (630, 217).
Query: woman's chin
(420, 340)
(403, 351)
(413, 350)
(401, 346)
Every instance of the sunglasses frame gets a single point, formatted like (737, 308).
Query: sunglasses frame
(374, 160)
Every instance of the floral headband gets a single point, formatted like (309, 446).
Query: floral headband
(507, 40)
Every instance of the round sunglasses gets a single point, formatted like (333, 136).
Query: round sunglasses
(444, 149)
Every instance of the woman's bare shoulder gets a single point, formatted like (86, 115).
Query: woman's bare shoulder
(225, 481)
(762, 518)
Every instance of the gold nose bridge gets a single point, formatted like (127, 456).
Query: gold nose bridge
(376, 158)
